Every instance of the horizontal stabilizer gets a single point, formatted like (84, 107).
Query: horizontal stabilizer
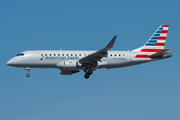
(160, 54)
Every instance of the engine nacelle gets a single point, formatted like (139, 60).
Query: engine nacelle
(68, 72)
(69, 64)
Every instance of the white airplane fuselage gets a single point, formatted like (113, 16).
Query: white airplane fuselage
(70, 62)
(54, 58)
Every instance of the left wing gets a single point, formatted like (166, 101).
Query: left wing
(94, 57)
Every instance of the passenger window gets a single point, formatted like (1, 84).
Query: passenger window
(67, 54)
(41, 54)
(54, 54)
(119, 54)
(84, 54)
(45, 54)
(75, 54)
(110, 54)
(58, 54)
(71, 54)
(62, 54)
(49, 54)
(79, 54)
(114, 54)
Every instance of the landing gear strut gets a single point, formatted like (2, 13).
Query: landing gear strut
(28, 74)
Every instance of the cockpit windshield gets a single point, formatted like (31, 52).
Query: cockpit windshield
(20, 54)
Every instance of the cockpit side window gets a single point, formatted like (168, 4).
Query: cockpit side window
(20, 54)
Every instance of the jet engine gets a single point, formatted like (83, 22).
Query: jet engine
(69, 64)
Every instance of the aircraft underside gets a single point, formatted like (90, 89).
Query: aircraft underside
(87, 68)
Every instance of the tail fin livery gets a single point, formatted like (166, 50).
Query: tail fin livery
(155, 43)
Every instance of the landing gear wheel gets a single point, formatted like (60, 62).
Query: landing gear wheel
(27, 75)
(90, 72)
(86, 75)
(28, 70)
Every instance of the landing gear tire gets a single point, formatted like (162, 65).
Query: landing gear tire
(27, 75)
(86, 75)
(90, 72)
(28, 70)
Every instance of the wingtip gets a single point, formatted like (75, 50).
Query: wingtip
(111, 43)
(115, 36)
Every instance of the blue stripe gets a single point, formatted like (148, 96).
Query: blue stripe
(156, 34)
(162, 25)
(150, 44)
(160, 28)
(154, 37)
(152, 41)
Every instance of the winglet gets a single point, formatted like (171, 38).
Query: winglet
(111, 43)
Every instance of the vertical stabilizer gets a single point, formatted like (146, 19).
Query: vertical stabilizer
(155, 43)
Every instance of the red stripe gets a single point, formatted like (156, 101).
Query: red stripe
(159, 44)
(161, 38)
(166, 25)
(142, 56)
(151, 50)
(164, 31)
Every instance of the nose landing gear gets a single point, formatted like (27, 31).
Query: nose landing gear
(28, 74)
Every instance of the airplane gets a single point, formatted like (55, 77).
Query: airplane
(71, 62)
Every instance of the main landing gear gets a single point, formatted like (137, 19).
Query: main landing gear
(88, 73)
(28, 74)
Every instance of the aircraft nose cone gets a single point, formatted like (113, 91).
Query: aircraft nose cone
(10, 62)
